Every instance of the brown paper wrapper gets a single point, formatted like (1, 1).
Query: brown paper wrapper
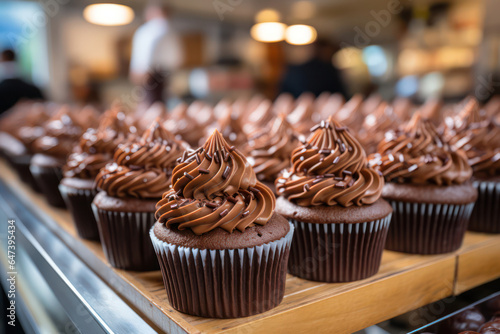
(337, 252)
(125, 239)
(21, 165)
(79, 203)
(486, 214)
(424, 228)
(48, 179)
(229, 283)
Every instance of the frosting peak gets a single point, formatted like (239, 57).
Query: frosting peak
(214, 186)
(330, 169)
(478, 136)
(141, 169)
(418, 154)
(271, 148)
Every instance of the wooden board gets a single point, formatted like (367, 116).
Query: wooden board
(478, 261)
(404, 282)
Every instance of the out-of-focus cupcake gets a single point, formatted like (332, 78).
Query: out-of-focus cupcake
(231, 128)
(94, 152)
(270, 150)
(19, 127)
(222, 250)
(129, 188)
(62, 132)
(351, 115)
(433, 110)
(403, 108)
(258, 119)
(333, 200)
(180, 123)
(375, 126)
(428, 187)
(301, 117)
(479, 136)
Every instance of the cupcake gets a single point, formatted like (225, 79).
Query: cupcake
(479, 136)
(94, 152)
(351, 114)
(428, 188)
(222, 249)
(62, 132)
(333, 200)
(180, 123)
(231, 128)
(303, 113)
(129, 188)
(270, 149)
(375, 125)
(19, 128)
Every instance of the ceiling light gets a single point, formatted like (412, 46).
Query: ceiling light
(108, 14)
(300, 34)
(268, 32)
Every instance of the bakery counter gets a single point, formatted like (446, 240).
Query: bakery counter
(116, 299)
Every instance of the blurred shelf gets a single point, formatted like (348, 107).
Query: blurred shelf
(404, 282)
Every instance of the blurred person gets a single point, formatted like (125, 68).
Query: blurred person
(156, 52)
(316, 75)
(12, 87)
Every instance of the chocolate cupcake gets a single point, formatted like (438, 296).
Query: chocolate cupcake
(351, 114)
(182, 124)
(94, 152)
(479, 136)
(270, 149)
(62, 131)
(19, 127)
(130, 188)
(428, 188)
(222, 250)
(375, 126)
(333, 200)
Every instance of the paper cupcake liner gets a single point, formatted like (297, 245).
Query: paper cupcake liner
(486, 214)
(337, 252)
(229, 283)
(21, 165)
(125, 239)
(425, 228)
(48, 179)
(79, 203)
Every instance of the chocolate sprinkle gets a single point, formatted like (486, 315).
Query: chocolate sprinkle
(226, 172)
(189, 176)
(340, 185)
(198, 160)
(224, 213)
(336, 160)
(341, 128)
(211, 205)
(208, 156)
(216, 157)
(254, 190)
(323, 151)
(314, 128)
(245, 213)
(306, 187)
(347, 172)
(203, 171)
(232, 148)
(174, 206)
(232, 199)
(412, 168)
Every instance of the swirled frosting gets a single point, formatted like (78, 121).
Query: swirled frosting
(416, 153)
(215, 187)
(330, 169)
(375, 125)
(479, 136)
(142, 169)
(62, 130)
(181, 123)
(271, 148)
(97, 146)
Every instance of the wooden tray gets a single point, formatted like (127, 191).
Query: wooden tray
(404, 282)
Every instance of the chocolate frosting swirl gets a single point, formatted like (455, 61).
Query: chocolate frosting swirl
(270, 149)
(330, 169)
(213, 187)
(97, 146)
(416, 153)
(479, 136)
(141, 169)
(375, 125)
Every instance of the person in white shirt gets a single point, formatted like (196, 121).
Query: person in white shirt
(156, 52)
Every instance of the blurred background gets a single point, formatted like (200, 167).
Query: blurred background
(85, 51)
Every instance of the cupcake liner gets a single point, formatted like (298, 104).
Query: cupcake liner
(425, 228)
(228, 283)
(48, 179)
(337, 252)
(79, 203)
(21, 165)
(486, 214)
(125, 240)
